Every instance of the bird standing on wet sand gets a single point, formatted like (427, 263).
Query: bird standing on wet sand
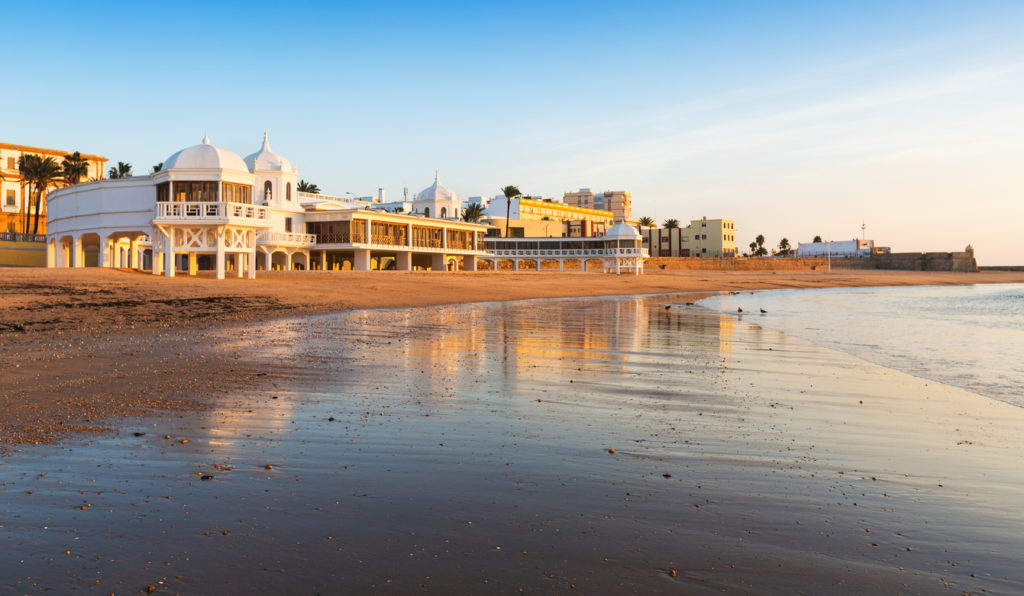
(740, 310)
(764, 312)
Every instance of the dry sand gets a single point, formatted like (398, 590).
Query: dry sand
(84, 347)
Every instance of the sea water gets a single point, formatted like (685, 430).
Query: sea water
(967, 336)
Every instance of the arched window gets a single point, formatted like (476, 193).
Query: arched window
(444, 212)
(268, 191)
(426, 211)
(288, 191)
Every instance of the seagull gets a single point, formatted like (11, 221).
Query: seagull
(740, 310)
(764, 312)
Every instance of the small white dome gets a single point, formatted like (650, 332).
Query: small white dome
(622, 231)
(437, 192)
(205, 157)
(266, 160)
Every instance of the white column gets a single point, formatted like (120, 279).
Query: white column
(136, 260)
(252, 264)
(515, 264)
(220, 253)
(408, 235)
(561, 262)
(469, 263)
(169, 254)
(105, 250)
(403, 261)
(437, 262)
(323, 260)
(538, 263)
(367, 229)
(238, 265)
(361, 259)
(193, 265)
(77, 253)
(287, 261)
(51, 252)
(618, 269)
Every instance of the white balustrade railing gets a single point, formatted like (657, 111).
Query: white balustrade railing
(271, 237)
(211, 210)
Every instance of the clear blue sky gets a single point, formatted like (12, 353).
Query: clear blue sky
(793, 118)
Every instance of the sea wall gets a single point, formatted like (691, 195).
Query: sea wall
(925, 261)
(22, 254)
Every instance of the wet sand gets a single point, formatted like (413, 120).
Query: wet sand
(470, 449)
(85, 347)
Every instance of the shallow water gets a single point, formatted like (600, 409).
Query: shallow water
(967, 336)
(467, 449)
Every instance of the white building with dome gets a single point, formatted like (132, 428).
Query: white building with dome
(209, 209)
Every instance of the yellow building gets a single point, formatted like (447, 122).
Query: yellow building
(14, 193)
(702, 238)
(618, 202)
(538, 217)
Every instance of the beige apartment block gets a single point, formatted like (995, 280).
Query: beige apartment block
(702, 238)
(618, 202)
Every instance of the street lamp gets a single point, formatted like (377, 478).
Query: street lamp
(830, 256)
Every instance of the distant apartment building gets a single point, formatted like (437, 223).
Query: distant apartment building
(536, 216)
(15, 194)
(619, 202)
(702, 238)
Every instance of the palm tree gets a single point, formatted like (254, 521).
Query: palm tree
(757, 248)
(817, 239)
(74, 168)
(509, 191)
(123, 170)
(784, 246)
(473, 213)
(158, 167)
(647, 222)
(309, 187)
(39, 173)
(670, 224)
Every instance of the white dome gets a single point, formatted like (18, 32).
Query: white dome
(205, 157)
(266, 160)
(622, 231)
(437, 192)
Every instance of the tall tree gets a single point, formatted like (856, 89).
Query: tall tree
(647, 222)
(309, 187)
(473, 213)
(784, 246)
(757, 246)
(509, 191)
(123, 170)
(39, 174)
(816, 239)
(670, 224)
(158, 167)
(74, 168)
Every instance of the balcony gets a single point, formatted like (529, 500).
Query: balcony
(286, 239)
(212, 212)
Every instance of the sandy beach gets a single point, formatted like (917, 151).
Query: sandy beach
(250, 435)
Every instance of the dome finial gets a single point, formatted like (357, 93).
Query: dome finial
(266, 139)
(437, 176)
(206, 139)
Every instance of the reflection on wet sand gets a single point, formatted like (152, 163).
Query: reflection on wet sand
(609, 445)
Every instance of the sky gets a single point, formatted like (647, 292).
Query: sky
(794, 119)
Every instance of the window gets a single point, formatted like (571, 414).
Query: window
(163, 192)
(10, 164)
(704, 237)
(426, 211)
(287, 224)
(237, 193)
(444, 212)
(12, 199)
(268, 191)
(703, 224)
(288, 193)
(704, 251)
